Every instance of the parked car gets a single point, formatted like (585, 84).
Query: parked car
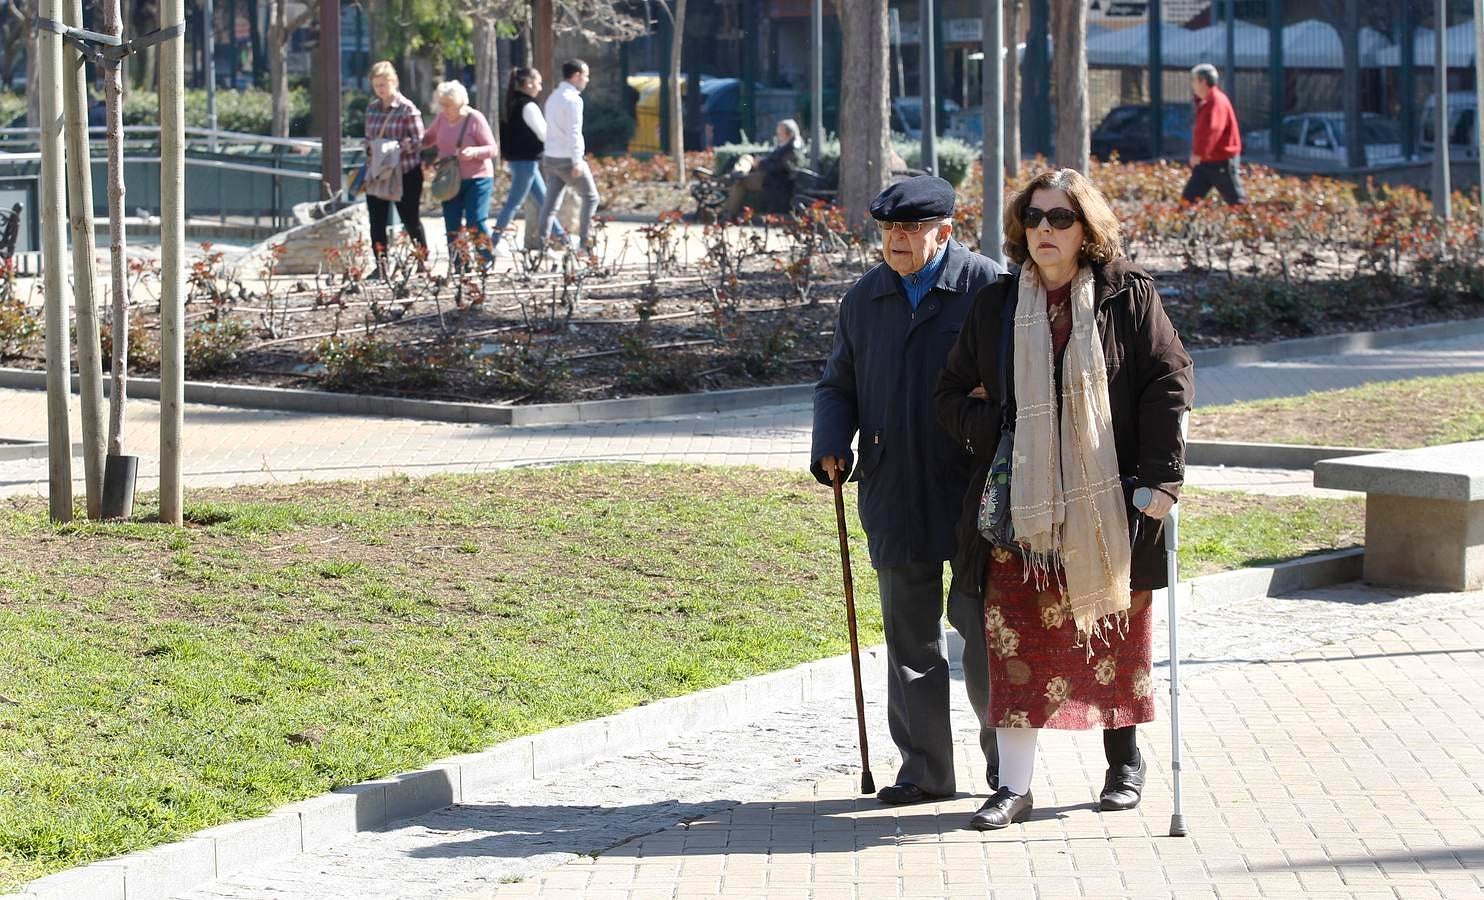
(906, 116)
(1463, 125)
(1319, 138)
(1126, 131)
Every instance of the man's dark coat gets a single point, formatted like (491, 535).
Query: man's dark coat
(879, 380)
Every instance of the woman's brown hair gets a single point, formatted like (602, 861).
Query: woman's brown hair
(1103, 238)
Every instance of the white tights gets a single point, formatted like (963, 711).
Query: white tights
(1017, 757)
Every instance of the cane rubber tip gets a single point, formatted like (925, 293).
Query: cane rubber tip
(1177, 826)
(868, 784)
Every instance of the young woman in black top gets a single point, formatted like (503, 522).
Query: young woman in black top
(522, 140)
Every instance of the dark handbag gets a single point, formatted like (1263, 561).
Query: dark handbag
(994, 505)
(446, 177)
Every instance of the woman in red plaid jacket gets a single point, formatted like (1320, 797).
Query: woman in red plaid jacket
(392, 117)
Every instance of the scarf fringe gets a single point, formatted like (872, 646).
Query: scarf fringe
(1100, 631)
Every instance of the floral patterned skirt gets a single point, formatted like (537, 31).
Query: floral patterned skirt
(1040, 678)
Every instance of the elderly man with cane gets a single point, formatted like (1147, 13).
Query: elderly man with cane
(895, 329)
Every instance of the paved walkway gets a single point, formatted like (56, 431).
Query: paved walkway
(1350, 770)
(233, 446)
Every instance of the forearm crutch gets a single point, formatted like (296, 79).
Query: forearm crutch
(1142, 498)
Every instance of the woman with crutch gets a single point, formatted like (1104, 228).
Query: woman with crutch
(1067, 383)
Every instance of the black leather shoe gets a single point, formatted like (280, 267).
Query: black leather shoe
(903, 794)
(1003, 809)
(1123, 787)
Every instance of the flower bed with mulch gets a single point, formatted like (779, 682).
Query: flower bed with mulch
(756, 306)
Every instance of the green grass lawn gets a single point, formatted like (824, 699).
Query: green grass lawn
(1400, 415)
(296, 638)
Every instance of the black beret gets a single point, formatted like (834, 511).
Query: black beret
(919, 199)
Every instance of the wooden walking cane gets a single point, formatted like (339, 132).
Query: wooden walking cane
(868, 784)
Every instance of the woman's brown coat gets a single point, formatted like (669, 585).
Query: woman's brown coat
(1150, 383)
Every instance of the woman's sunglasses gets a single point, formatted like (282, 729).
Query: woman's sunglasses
(1060, 218)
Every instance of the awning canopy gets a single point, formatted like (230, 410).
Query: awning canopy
(1310, 44)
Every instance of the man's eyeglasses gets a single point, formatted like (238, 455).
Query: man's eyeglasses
(1060, 218)
(908, 227)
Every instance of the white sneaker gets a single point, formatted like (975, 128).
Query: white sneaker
(502, 251)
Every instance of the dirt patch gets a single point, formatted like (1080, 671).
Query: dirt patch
(1399, 415)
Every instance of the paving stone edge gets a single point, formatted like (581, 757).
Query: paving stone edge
(1241, 454)
(308, 825)
(628, 408)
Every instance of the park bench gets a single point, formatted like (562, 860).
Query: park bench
(10, 231)
(1424, 513)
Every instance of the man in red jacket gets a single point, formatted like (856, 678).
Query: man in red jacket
(1216, 143)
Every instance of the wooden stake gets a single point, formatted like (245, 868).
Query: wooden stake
(84, 268)
(113, 88)
(54, 267)
(172, 262)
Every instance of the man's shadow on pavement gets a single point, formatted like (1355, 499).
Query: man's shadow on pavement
(824, 826)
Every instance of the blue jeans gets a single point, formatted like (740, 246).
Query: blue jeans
(471, 207)
(525, 180)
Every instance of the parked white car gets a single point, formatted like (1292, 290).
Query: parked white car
(1319, 137)
(1463, 125)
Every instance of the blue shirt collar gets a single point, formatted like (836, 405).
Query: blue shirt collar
(920, 282)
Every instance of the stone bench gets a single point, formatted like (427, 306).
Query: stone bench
(1424, 513)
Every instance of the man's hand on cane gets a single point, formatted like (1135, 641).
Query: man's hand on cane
(831, 466)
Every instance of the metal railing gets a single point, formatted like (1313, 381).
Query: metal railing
(231, 176)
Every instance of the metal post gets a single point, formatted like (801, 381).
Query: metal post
(1156, 79)
(666, 32)
(208, 12)
(329, 45)
(54, 280)
(1407, 44)
(1355, 155)
(816, 82)
(991, 235)
(1231, 50)
(927, 88)
(1479, 102)
(1277, 94)
(172, 263)
(1035, 89)
(1442, 200)
(84, 267)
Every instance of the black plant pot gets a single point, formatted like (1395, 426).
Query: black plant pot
(118, 486)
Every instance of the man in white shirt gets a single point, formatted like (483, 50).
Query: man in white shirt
(564, 164)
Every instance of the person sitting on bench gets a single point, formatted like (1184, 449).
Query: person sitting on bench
(773, 175)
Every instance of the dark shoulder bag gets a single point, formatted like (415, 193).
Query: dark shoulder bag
(994, 505)
(446, 177)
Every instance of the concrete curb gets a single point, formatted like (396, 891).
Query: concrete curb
(308, 825)
(336, 817)
(632, 408)
(13, 450)
(297, 400)
(1264, 456)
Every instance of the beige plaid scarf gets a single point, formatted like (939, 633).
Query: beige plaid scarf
(1066, 501)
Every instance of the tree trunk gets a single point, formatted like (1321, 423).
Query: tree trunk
(280, 31)
(677, 115)
(113, 91)
(278, 67)
(487, 67)
(1012, 89)
(865, 89)
(33, 96)
(1069, 76)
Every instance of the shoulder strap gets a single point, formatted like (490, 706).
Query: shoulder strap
(468, 117)
(1007, 330)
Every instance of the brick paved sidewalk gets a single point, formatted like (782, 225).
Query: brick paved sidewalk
(1350, 771)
